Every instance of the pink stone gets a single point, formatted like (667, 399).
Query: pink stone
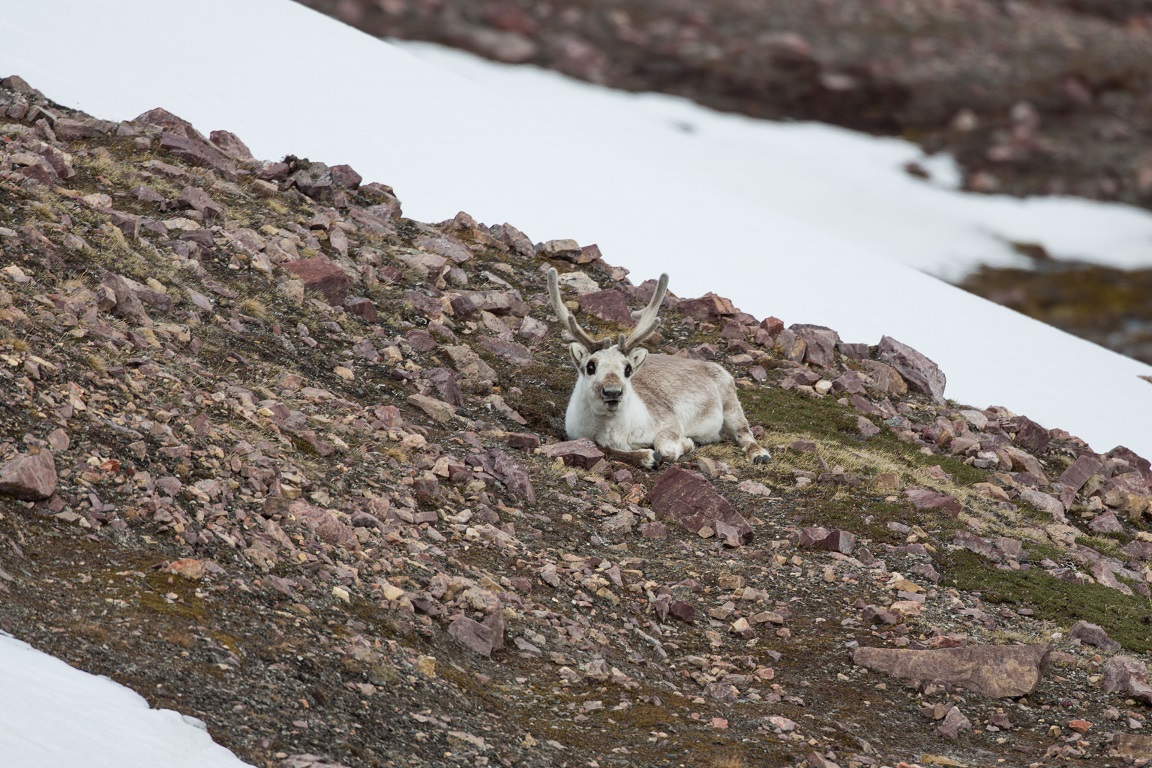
(29, 477)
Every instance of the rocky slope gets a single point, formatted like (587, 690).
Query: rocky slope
(1031, 98)
(278, 457)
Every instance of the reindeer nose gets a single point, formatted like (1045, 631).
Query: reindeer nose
(612, 392)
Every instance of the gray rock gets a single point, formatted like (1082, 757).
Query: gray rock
(444, 381)
(979, 545)
(1044, 502)
(1026, 462)
(801, 377)
(514, 239)
(444, 245)
(517, 354)
(566, 250)
(524, 441)
(126, 303)
(324, 523)
(231, 145)
(1106, 523)
(848, 382)
(1141, 550)
(71, 129)
(1093, 635)
(654, 530)
(467, 303)
(362, 308)
(682, 610)
(883, 377)
(835, 540)
(707, 307)
(1127, 676)
(1141, 465)
(508, 471)
(1137, 746)
(323, 183)
(472, 369)
(438, 410)
(198, 200)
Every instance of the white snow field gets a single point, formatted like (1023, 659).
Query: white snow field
(54, 716)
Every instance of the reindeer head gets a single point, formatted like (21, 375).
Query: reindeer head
(606, 365)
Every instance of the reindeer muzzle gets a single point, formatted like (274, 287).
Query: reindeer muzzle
(611, 396)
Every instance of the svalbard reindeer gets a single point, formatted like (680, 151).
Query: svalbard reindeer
(646, 408)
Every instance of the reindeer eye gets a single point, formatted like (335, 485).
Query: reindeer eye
(591, 369)
(627, 371)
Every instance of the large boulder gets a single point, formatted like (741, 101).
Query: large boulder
(688, 498)
(991, 670)
(29, 477)
(922, 374)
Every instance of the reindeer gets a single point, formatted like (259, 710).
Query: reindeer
(642, 408)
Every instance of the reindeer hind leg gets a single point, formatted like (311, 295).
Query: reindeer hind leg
(736, 429)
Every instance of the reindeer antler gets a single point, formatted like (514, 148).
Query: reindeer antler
(645, 318)
(566, 318)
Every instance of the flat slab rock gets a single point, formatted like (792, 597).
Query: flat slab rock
(581, 453)
(688, 498)
(1137, 746)
(991, 670)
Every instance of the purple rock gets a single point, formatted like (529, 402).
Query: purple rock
(689, 498)
(1079, 472)
(29, 477)
(610, 305)
(1031, 435)
(473, 635)
(199, 152)
(362, 308)
(923, 498)
(821, 344)
(321, 275)
(231, 145)
(922, 374)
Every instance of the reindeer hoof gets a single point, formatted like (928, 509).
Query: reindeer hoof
(762, 458)
(657, 460)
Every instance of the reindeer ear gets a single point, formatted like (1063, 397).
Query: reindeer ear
(579, 354)
(637, 356)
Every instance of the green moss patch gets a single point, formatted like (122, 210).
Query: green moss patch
(1127, 619)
